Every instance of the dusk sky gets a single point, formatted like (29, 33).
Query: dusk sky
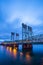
(15, 12)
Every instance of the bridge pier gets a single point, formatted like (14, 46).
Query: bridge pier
(27, 47)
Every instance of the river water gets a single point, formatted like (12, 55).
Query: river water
(9, 56)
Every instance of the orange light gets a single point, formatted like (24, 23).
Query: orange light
(28, 57)
(10, 49)
(15, 52)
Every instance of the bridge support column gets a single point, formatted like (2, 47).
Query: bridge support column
(27, 47)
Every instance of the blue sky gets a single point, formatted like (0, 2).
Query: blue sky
(15, 12)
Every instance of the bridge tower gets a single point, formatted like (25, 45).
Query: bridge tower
(26, 32)
(30, 32)
(17, 36)
(12, 36)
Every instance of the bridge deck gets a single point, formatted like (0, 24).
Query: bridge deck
(20, 43)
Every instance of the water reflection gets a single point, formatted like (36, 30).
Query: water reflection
(9, 49)
(1, 48)
(21, 56)
(42, 61)
(25, 57)
(21, 53)
(28, 57)
(15, 52)
(38, 48)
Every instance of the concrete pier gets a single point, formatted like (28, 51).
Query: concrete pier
(25, 46)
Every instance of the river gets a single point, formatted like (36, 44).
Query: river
(9, 56)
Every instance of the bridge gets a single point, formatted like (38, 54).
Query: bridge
(27, 38)
(26, 46)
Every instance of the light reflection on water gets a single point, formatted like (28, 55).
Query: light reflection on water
(15, 52)
(14, 57)
(28, 57)
(20, 54)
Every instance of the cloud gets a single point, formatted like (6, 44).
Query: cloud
(27, 20)
(31, 21)
(26, 13)
(40, 18)
(14, 13)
